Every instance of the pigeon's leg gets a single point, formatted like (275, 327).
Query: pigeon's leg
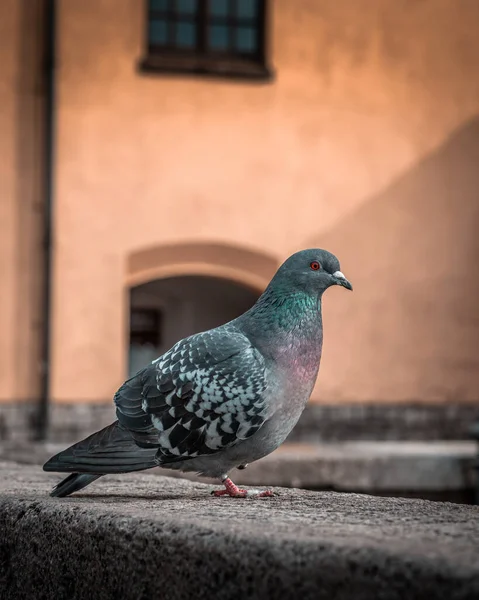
(234, 491)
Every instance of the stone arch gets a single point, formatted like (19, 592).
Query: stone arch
(249, 267)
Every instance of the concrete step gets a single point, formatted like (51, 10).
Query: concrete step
(141, 536)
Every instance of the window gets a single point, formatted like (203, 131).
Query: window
(215, 37)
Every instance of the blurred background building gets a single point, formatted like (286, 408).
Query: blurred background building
(159, 160)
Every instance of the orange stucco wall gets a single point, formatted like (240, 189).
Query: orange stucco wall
(8, 27)
(349, 148)
(21, 103)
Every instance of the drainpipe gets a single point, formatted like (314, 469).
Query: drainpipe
(474, 431)
(49, 35)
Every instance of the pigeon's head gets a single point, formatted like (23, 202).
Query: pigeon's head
(312, 271)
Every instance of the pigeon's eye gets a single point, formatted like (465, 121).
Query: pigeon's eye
(315, 266)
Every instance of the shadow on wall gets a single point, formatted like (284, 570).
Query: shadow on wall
(412, 253)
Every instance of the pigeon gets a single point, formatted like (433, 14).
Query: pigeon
(219, 399)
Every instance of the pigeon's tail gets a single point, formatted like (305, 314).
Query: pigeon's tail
(111, 450)
(72, 483)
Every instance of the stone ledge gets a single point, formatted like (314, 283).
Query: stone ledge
(431, 470)
(139, 536)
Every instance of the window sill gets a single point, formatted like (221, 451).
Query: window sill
(203, 67)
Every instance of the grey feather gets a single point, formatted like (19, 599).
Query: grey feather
(203, 395)
(73, 483)
(111, 450)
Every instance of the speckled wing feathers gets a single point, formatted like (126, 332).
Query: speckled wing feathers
(203, 395)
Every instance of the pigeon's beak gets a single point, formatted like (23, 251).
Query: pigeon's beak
(340, 279)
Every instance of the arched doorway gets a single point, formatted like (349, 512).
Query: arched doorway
(166, 310)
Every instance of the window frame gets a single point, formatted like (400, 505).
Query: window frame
(200, 61)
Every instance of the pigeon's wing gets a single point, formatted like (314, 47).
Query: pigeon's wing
(203, 395)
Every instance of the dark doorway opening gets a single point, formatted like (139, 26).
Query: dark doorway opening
(164, 311)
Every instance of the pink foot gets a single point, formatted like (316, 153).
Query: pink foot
(234, 491)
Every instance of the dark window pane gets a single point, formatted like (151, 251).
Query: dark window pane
(219, 8)
(247, 9)
(186, 7)
(218, 37)
(158, 32)
(246, 40)
(185, 35)
(159, 5)
(194, 34)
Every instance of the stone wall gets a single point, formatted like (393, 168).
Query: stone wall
(72, 421)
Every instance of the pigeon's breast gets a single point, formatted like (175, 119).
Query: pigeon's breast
(293, 374)
(297, 361)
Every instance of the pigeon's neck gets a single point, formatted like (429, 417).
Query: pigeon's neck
(287, 327)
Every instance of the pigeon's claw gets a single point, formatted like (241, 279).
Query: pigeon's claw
(240, 493)
(260, 493)
(233, 491)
